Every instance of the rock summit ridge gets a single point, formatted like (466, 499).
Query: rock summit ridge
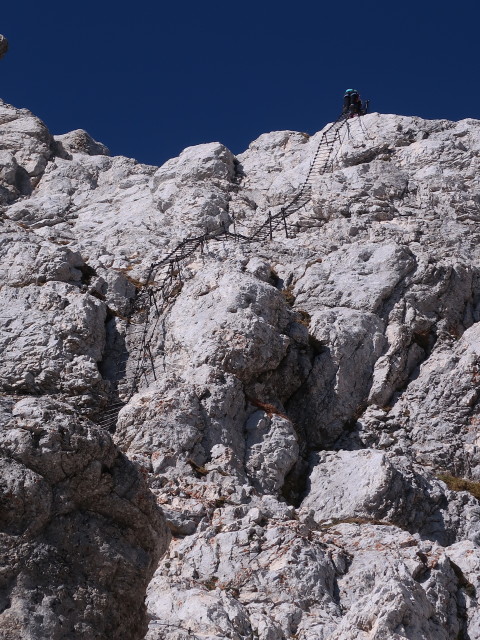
(273, 438)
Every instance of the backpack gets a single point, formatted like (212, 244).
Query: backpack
(351, 96)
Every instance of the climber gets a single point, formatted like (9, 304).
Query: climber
(352, 103)
(3, 46)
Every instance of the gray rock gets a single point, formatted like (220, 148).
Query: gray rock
(248, 568)
(79, 141)
(81, 535)
(348, 344)
(52, 338)
(367, 485)
(271, 450)
(359, 277)
(394, 588)
(435, 419)
(3, 46)
(352, 342)
(28, 142)
(464, 557)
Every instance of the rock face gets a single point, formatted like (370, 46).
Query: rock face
(80, 532)
(303, 409)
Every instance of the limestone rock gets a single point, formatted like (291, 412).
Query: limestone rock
(53, 338)
(3, 46)
(292, 404)
(366, 484)
(26, 146)
(81, 534)
(348, 344)
(25, 259)
(396, 589)
(437, 418)
(79, 141)
(359, 277)
(246, 567)
(464, 558)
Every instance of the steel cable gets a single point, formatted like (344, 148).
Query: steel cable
(170, 284)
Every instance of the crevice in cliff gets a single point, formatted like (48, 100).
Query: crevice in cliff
(88, 273)
(465, 592)
(23, 182)
(238, 172)
(112, 368)
(399, 291)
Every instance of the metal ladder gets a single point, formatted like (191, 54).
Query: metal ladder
(322, 163)
(164, 280)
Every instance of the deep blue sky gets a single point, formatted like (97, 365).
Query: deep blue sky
(148, 78)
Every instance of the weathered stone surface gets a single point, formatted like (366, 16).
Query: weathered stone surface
(436, 418)
(244, 566)
(465, 559)
(79, 141)
(221, 383)
(27, 259)
(366, 484)
(53, 338)
(358, 277)
(292, 412)
(396, 588)
(348, 344)
(80, 532)
(285, 579)
(3, 46)
(26, 146)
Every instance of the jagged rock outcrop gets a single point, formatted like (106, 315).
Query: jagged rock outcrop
(436, 418)
(368, 484)
(81, 534)
(304, 410)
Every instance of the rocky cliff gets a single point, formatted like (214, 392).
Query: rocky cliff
(250, 400)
